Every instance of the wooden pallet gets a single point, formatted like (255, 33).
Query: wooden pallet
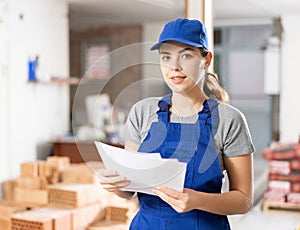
(287, 208)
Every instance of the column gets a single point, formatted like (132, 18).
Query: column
(290, 80)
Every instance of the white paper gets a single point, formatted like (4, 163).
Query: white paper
(145, 170)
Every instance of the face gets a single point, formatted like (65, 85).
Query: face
(182, 66)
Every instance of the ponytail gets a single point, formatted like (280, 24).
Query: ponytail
(211, 86)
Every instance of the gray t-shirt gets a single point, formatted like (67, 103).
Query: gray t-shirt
(231, 139)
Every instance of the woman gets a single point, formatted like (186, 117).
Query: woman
(195, 125)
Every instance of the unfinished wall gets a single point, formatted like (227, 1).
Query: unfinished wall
(121, 40)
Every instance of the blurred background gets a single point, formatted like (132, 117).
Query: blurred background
(71, 70)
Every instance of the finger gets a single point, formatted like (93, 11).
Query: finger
(170, 192)
(168, 199)
(107, 172)
(186, 190)
(114, 179)
(117, 184)
(110, 188)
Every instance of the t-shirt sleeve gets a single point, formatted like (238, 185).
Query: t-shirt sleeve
(238, 139)
(140, 117)
(132, 128)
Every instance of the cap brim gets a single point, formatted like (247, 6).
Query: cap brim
(183, 41)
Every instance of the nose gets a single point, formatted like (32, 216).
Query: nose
(175, 65)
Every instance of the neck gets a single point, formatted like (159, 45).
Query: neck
(185, 104)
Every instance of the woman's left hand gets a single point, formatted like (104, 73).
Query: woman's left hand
(180, 201)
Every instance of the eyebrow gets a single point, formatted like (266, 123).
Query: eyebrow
(181, 51)
(186, 49)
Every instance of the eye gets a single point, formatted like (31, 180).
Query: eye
(187, 56)
(165, 58)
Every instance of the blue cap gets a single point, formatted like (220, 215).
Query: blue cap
(185, 31)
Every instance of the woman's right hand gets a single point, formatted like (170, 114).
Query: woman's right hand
(112, 181)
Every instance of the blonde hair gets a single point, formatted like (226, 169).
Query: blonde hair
(211, 86)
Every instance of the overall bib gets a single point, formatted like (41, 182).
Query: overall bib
(193, 144)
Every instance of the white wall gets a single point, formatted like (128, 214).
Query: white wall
(33, 113)
(4, 167)
(290, 80)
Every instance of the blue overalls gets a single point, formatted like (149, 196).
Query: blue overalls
(193, 144)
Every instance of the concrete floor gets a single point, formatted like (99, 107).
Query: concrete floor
(256, 219)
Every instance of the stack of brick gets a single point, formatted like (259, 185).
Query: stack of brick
(81, 194)
(81, 188)
(55, 194)
(31, 187)
(119, 209)
(284, 173)
(53, 217)
(73, 203)
(71, 206)
(119, 213)
(116, 212)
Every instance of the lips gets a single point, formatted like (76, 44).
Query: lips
(177, 79)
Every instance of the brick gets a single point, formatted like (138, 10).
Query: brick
(7, 208)
(5, 224)
(277, 197)
(109, 225)
(54, 178)
(279, 167)
(114, 213)
(73, 195)
(57, 165)
(61, 218)
(293, 198)
(31, 197)
(79, 173)
(279, 186)
(44, 169)
(131, 205)
(295, 187)
(29, 169)
(292, 177)
(86, 215)
(31, 220)
(115, 204)
(9, 188)
(32, 183)
(61, 162)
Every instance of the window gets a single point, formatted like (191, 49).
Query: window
(217, 37)
(96, 61)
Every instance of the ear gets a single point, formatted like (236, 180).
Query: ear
(208, 59)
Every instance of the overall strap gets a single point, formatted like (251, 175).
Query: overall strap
(164, 108)
(211, 106)
(210, 117)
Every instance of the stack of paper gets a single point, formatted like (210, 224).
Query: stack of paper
(145, 170)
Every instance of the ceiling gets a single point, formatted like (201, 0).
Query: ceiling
(139, 11)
